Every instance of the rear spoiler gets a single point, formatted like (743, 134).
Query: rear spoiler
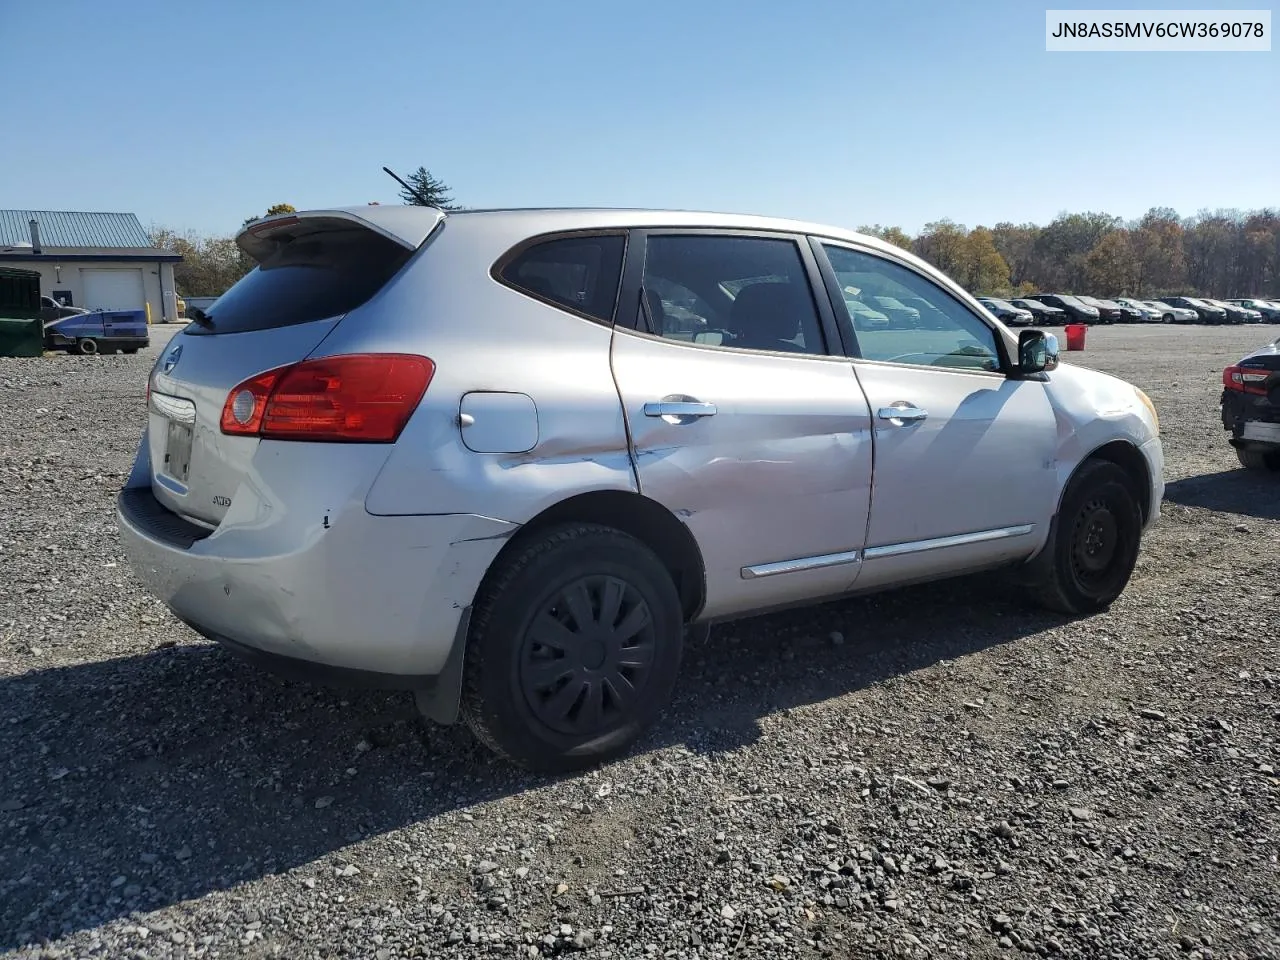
(408, 226)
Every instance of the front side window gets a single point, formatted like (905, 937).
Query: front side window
(947, 335)
(580, 273)
(746, 292)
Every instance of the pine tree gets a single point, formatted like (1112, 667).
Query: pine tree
(428, 191)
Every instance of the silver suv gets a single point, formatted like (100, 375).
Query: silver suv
(504, 459)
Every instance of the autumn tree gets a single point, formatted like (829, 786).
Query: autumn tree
(1258, 265)
(895, 235)
(982, 269)
(209, 266)
(942, 243)
(1160, 260)
(274, 209)
(1063, 246)
(1212, 248)
(1016, 243)
(1111, 267)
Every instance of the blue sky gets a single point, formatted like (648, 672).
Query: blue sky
(197, 115)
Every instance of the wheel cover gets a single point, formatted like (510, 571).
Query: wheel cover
(1095, 542)
(587, 655)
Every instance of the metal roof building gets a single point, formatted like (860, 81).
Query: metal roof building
(92, 259)
(69, 228)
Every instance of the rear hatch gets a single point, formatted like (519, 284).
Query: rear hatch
(312, 269)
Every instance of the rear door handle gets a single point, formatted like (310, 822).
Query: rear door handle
(902, 412)
(679, 409)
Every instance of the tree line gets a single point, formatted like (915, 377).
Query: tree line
(210, 264)
(1222, 254)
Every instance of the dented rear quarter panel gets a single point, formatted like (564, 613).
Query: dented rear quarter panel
(484, 336)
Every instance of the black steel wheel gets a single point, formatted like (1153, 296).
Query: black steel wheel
(587, 655)
(1095, 538)
(1094, 543)
(574, 647)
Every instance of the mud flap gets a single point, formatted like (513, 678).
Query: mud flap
(440, 702)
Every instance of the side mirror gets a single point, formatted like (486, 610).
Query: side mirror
(1037, 351)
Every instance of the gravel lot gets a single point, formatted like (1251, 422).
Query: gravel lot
(935, 772)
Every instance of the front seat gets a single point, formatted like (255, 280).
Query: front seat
(766, 316)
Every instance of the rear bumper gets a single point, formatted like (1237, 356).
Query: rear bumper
(1253, 421)
(308, 671)
(335, 587)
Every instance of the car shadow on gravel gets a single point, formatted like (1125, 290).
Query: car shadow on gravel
(137, 783)
(1239, 491)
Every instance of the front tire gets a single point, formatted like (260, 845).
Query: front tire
(87, 346)
(1264, 461)
(1094, 545)
(574, 648)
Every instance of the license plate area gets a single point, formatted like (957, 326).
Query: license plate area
(177, 451)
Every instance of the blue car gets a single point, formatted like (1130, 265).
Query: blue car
(99, 331)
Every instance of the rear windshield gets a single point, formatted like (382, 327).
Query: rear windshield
(312, 277)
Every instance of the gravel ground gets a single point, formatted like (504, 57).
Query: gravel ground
(934, 772)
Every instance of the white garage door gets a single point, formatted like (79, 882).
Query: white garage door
(113, 289)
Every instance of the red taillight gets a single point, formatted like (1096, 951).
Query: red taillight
(247, 403)
(360, 397)
(1245, 380)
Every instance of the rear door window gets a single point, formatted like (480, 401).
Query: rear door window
(312, 277)
(580, 273)
(751, 293)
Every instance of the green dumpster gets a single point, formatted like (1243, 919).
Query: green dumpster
(21, 332)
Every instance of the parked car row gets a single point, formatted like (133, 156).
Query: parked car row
(1061, 308)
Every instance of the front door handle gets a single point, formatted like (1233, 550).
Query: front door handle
(902, 412)
(679, 408)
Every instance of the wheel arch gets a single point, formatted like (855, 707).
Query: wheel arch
(1125, 455)
(635, 515)
(632, 513)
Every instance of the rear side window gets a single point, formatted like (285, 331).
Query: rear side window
(581, 273)
(312, 277)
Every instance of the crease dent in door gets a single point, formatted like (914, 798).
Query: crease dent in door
(781, 473)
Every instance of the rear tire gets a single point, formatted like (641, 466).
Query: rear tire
(1094, 545)
(87, 346)
(574, 648)
(1265, 461)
